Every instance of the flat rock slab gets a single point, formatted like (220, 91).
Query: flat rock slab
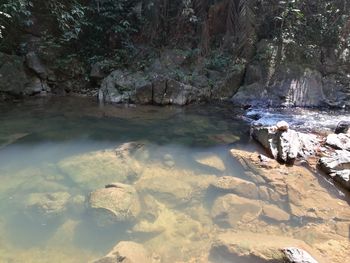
(252, 247)
(231, 209)
(237, 186)
(339, 141)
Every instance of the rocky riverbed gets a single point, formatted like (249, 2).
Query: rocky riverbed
(148, 199)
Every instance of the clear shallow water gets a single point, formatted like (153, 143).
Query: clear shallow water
(57, 146)
(36, 135)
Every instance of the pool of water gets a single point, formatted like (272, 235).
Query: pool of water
(63, 146)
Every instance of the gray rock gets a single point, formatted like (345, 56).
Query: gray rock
(115, 203)
(120, 86)
(343, 177)
(13, 79)
(339, 141)
(126, 252)
(297, 255)
(338, 167)
(342, 127)
(285, 145)
(282, 145)
(34, 63)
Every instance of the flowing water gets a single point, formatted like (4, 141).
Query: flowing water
(62, 146)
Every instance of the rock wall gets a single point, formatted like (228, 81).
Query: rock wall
(22, 76)
(320, 83)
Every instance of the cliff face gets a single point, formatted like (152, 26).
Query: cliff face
(252, 52)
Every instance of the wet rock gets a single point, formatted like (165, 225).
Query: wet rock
(339, 141)
(115, 203)
(251, 247)
(297, 255)
(231, 209)
(342, 127)
(126, 252)
(275, 213)
(237, 186)
(47, 205)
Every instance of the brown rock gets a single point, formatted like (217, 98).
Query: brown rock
(275, 213)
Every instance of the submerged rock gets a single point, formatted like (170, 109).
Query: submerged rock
(237, 186)
(126, 252)
(95, 169)
(115, 203)
(275, 213)
(252, 247)
(47, 205)
(211, 160)
(231, 209)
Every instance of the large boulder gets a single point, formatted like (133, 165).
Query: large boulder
(281, 144)
(284, 144)
(115, 203)
(126, 252)
(120, 86)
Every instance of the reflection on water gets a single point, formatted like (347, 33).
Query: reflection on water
(54, 153)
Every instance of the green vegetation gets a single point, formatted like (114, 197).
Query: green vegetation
(82, 32)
